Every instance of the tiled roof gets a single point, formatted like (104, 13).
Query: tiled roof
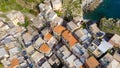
(65, 34)
(44, 48)
(72, 40)
(14, 62)
(92, 62)
(69, 38)
(59, 29)
(47, 36)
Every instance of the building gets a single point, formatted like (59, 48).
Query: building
(16, 31)
(45, 31)
(3, 34)
(5, 63)
(106, 60)
(99, 47)
(47, 37)
(33, 31)
(24, 65)
(48, 9)
(68, 39)
(45, 65)
(38, 23)
(78, 63)
(91, 62)
(78, 20)
(12, 44)
(30, 50)
(115, 40)
(80, 52)
(70, 61)
(3, 53)
(27, 37)
(13, 51)
(45, 49)
(37, 57)
(104, 46)
(116, 55)
(114, 64)
(47, 1)
(57, 4)
(38, 42)
(51, 16)
(42, 7)
(58, 30)
(14, 63)
(5, 27)
(16, 17)
(1, 23)
(56, 21)
(52, 42)
(72, 26)
(94, 28)
(82, 35)
(63, 52)
(7, 39)
(54, 61)
(11, 63)
(73, 62)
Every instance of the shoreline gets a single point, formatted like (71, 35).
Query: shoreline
(92, 5)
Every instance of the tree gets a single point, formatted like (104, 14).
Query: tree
(27, 22)
(110, 25)
(72, 8)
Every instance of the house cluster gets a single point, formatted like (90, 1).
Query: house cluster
(49, 42)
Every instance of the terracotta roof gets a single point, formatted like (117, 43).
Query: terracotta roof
(47, 36)
(92, 62)
(72, 40)
(14, 62)
(65, 34)
(81, 66)
(44, 48)
(59, 29)
(69, 38)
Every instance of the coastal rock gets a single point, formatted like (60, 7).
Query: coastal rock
(90, 5)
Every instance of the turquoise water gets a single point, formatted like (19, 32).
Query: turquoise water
(108, 9)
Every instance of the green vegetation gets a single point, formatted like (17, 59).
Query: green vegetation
(59, 13)
(72, 8)
(1, 65)
(110, 25)
(83, 25)
(27, 22)
(28, 6)
(7, 5)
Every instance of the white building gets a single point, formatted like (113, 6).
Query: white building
(15, 17)
(57, 4)
(3, 52)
